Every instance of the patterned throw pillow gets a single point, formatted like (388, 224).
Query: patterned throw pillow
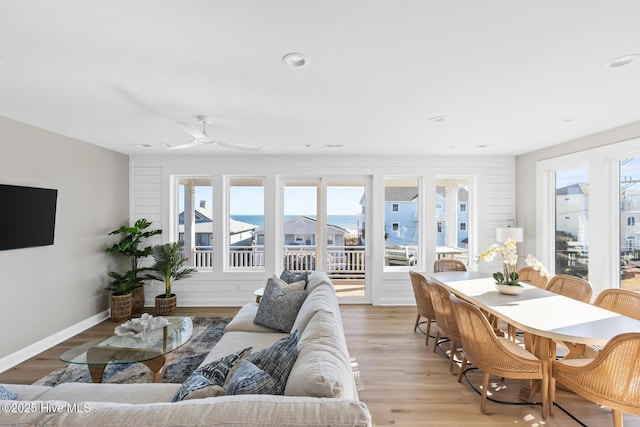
(266, 371)
(300, 285)
(290, 277)
(6, 394)
(210, 375)
(278, 309)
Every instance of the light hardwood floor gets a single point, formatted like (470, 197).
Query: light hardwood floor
(400, 379)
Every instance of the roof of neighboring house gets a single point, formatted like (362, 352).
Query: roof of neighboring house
(573, 189)
(204, 223)
(400, 194)
(305, 218)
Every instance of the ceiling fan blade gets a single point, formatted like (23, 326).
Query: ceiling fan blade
(195, 132)
(236, 146)
(187, 145)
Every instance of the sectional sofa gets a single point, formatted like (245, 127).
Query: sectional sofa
(319, 389)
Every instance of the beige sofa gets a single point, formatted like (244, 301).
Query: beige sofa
(320, 390)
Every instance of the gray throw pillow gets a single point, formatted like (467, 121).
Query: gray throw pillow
(266, 371)
(290, 277)
(212, 374)
(278, 309)
(6, 394)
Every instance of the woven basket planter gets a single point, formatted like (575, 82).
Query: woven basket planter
(121, 308)
(165, 306)
(137, 303)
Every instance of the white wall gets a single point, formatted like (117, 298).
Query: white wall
(493, 201)
(47, 290)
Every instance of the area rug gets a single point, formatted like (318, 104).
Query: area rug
(206, 333)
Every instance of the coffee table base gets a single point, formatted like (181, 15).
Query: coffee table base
(98, 357)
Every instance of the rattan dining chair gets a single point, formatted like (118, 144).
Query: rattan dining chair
(495, 355)
(571, 287)
(611, 379)
(445, 319)
(448, 265)
(423, 302)
(532, 277)
(621, 301)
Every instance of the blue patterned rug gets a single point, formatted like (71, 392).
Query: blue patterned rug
(206, 333)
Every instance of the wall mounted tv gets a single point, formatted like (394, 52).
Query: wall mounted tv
(27, 216)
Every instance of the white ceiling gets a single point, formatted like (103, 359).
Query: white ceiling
(504, 74)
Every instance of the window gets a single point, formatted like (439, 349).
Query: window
(401, 225)
(572, 222)
(195, 220)
(629, 194)
(245, 223)
(452, 218)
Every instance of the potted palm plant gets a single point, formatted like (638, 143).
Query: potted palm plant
(121, 287)
(132, 247)
(168, 267)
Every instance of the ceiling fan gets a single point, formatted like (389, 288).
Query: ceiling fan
(201, 137)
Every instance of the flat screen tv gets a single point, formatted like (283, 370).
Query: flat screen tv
(27, 216)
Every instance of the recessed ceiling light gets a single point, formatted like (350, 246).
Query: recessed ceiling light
(142, 145)
(437, 119)
(295, 60)
(333, 145)
(482, 146)
(621, 61)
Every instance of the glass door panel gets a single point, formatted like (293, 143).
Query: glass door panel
(630, 224)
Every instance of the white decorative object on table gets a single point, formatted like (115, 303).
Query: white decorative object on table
(509, 289)
(141, 328)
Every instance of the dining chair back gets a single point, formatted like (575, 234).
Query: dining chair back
(532, 277)
(423, 302)
(611, 379)
(445, 319)
(445, 264)
(621, 301)
(571, 287)
(495, 355)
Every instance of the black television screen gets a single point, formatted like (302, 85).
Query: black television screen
(27, 216)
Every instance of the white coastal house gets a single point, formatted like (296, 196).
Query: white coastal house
(240, 233)
(301, 230)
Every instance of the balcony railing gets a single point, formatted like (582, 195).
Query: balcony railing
(342, 261)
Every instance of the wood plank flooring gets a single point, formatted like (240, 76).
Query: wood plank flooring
(400, 379)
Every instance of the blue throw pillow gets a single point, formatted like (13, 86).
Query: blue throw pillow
(290, 277)
(6, 394)
(211, 374)
(266, 371)
(278, 309)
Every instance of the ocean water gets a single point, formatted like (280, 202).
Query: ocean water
(344, 221)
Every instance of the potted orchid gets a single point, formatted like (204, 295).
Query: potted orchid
(509, 274)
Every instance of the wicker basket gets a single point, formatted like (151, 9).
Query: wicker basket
(165, 306)
(137, 303)
(121, 308)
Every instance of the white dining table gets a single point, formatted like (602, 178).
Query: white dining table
(545, 315)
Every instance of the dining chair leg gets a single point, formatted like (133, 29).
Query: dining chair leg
(552, 395)
(426, 342)
(435, 344)
(485, 386)
(415, 327)
(617, 418)
(463, 366)
(452, 348)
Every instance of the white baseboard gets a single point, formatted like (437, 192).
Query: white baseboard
(26, 353)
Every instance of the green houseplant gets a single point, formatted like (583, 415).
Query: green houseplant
(132, 247)
(168, 267)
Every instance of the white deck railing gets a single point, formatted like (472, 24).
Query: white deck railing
(343, 261)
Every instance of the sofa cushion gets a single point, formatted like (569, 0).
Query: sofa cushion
(275, 361)
(6, 394)
(278, 309)
(27, 391)
(243, 320)
(299, 285)
(211, 375)
(116, 393)
(235, 341)
(322, 297)
(323, 367)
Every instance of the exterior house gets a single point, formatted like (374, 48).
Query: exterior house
(401, 215)
(240, 233)
(301, 231)
(462, 218)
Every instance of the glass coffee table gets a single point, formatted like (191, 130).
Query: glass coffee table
(153, 352)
